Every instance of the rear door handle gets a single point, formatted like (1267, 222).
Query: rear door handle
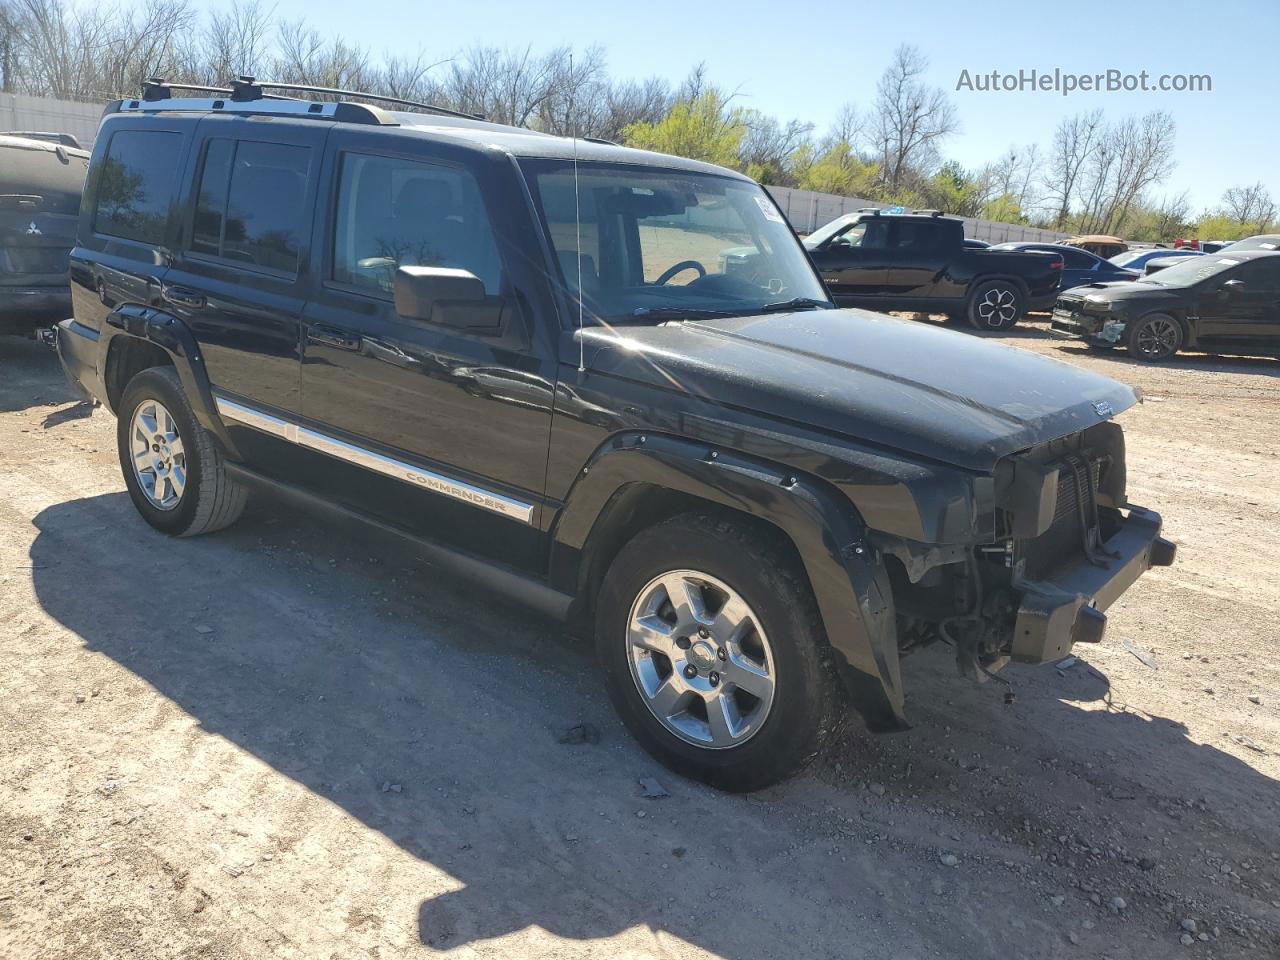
(333, 337)
(182, 296)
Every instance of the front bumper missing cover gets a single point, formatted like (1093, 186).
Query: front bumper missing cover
(1067, 608)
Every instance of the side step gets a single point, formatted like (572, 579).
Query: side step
(503, 580)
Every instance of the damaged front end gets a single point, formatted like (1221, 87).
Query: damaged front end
(1067, 545)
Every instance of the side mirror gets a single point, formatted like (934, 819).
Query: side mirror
(1232, 287)
(445, 295)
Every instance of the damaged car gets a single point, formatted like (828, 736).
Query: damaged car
(532, 357)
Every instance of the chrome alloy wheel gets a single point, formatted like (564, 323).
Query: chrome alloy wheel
(159, 461)
(1158, 337)
(700, 659)
(998, 308)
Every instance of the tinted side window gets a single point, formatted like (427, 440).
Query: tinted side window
(394, 212)
(1075, 260)
(916, 235)
(135, 184)
(249, 206)
(211, 202)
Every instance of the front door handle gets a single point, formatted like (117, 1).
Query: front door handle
(333, 337)
(182, 297)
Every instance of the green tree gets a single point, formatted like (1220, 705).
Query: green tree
(702, 128)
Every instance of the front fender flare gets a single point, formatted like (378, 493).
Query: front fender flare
(849, 582)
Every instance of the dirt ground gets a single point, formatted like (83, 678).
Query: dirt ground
(288, 740)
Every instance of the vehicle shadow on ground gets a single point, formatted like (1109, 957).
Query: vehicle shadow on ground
(31, 375)
(344, 662)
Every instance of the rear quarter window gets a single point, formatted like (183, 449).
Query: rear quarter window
(249, 204)
(135, 184)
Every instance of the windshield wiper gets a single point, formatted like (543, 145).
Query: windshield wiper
(796, 303)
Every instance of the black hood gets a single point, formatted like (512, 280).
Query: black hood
(898, 384)
(1125, 290)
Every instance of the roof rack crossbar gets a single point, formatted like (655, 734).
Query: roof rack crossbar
(248, 84)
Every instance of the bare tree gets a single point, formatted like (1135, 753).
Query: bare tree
(910, 117)
(232, 42)
(1015, 176)
(1251, 206)
(1130, 157)
(1074, 142)
(768, 145)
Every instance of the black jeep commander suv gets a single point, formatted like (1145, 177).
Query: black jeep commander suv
(530, 355)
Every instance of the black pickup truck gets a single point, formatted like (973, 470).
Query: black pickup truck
(534, 359)
(919, 262)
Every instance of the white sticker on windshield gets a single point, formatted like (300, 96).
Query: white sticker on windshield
(769, 210)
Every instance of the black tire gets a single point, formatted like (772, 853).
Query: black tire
(1153, 338)
(805, 710)
(210, 499)
(995, 305)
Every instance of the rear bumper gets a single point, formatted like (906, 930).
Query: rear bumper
(78, 351)
(24, 309)
(1068, 609)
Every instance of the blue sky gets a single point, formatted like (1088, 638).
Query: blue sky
(822, 55)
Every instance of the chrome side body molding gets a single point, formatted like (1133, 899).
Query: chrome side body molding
(377, 462)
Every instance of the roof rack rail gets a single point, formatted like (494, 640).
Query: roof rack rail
(875, 210)
(928, 212)
(247, 88)
(61, 139)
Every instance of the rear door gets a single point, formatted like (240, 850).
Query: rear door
(1078, 266)
(434, 426)
(127, 217)
(917, 255)
(241, 273)
(852, 263)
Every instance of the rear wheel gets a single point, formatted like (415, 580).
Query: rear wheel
(995, 305)
(714, 654)
(174, 473)
(1153, 338)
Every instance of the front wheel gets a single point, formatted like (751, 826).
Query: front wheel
(174, 473)
(995, 305)
(1155, 337)
(714, 654)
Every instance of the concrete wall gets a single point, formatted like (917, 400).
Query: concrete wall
(805, 209)
(21, 112)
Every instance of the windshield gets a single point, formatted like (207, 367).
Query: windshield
(826, 232)
(1262, 242)
(656, 244)
(1190, 270)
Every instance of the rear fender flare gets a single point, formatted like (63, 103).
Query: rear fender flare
(173, 337)
(843, 566)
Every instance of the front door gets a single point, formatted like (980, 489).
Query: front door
(1241, 308)
(852, 263)
(439, 427)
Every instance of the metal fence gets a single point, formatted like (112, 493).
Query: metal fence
(805, 209)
